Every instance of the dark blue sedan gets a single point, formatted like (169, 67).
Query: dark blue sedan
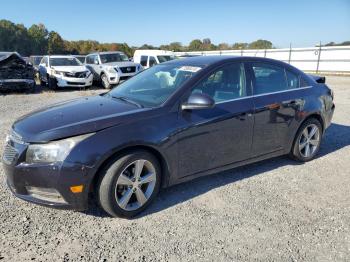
(171, 123)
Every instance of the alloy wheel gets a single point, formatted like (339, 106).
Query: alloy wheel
(309, 140)
(135, 185)
(105, 81)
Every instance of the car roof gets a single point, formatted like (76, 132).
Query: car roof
(107, 52)
(60, 56)
(153, 51)
(214, 59)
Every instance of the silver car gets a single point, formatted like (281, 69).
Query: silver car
(111, 67)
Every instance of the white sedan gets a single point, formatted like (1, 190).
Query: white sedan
(63, 71)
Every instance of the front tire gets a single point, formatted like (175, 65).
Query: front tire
(129, 184)
(52, 82)
(307, 141)
(105, 82)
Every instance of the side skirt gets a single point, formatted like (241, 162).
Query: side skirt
(228, 167)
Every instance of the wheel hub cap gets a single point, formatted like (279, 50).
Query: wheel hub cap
(135, 185)
(309, 140)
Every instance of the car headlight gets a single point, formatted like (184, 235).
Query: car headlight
(55, 151)
(112, 70)
(54, 72)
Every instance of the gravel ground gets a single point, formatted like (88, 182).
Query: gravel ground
(276, 210)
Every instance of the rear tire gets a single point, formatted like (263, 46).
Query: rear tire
(307, 141)
(129, 184)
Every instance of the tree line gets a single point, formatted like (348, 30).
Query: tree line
(38, 40)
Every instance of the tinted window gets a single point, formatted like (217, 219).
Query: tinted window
(303, 82)
(292, 80)
(226, 83)
(165, 58)
(152, 61)
(268, 78)
(143, 60)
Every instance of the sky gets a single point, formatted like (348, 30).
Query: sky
(301, 23)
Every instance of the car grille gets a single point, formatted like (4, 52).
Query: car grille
(76, 75)
(128, 69)
(76, 83)
(10, 154)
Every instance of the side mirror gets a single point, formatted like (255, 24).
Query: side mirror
(96, 62)
(198, 101)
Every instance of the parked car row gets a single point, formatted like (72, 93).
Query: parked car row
(58, 71)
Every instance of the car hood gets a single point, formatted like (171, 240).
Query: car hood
(74, 117)
(70, 68)
(121, 64)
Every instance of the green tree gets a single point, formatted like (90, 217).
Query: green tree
(175, 46)
(240, 46)
(260, 44)
(195, 45)
(224, 46)
(38, 35)
(55, 44)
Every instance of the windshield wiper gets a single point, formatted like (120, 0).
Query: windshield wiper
(125, 99)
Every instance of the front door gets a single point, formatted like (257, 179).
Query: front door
(216, 137)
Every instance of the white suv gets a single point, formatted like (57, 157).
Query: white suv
(62, 71)
(111, 67)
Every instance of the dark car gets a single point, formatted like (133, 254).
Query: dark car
(15, 73)
(171, 123)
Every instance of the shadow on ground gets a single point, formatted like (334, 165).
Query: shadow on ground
(336, 137)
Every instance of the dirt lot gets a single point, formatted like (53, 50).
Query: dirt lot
(276, 210)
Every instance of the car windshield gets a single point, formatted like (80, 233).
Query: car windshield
(154, 86)
(64, 61)
(113, 57)
(165, 58)
(36, 60)
(81, 58)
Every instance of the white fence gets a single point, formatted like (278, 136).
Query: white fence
(314, 59)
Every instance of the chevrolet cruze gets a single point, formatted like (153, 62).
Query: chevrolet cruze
(171, 123)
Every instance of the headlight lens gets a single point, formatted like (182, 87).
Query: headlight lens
(112, 70)
(55, 151)
(57, 72)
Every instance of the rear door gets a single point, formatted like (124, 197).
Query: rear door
(222, 135)
(278, 99)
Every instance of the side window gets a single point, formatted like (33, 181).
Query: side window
(95, 57)
(292, 80)
(225, 84)
(89, 60)
(268, 78)
(143, 60)
(303, 82)
(152, 61)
